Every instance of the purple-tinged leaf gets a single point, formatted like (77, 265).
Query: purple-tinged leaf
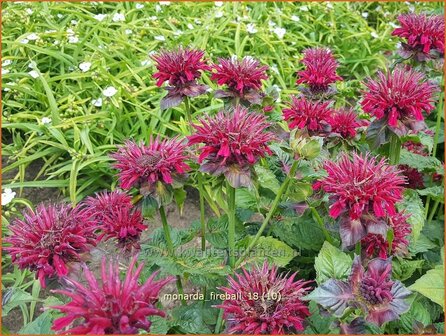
(351, 231)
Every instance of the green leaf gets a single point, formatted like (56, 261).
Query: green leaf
(149, 206)
(245, 198)
(403, 269)
(311, 150)
(332, 263)
(319, 324)
(160, 325)
(420, 162)
(189, 319)
(275, 251)
(13, 298)
(423, 244)
(299, 191)
(436, 193)
(40, 326)
(179, 195)
(267, 179)
(431, 285)
(413, 205)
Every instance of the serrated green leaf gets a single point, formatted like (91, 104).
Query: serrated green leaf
(267, 248)
(331, 263)
(299, 191)
(159, 326)
(436, 193)
(413, 205)
(40, 326)
(245, 198)
(267, 179)
(431, 285)
(403, 269)
(179, 195)
(420, 162)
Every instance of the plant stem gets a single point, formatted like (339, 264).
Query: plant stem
(170, 248)
(433, 211)
(188, 111)
(319, 220)
(202, 219)
(282, 190)
(219, 322)
(231, 223)
(394, 149)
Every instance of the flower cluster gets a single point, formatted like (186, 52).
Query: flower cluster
(319, 72)
(144, 166)
(242, 77)
(233, 142)
(344, 123)
(180, 68)
(373, 291)
(424, 35)
(264, 302)
(112, 306)
(399, 97)
(48, 239)
(114, 215)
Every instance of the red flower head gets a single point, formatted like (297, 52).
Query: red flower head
(399, 97)
(422, 33)
(140, 165)
(377, 245)
(344, 123)
(113, 213)
(180, 68)
(113, 306)
(50, 237)
(362, 185)
(243, 78)
(233, 141)
(320, 70)
(262, 302)
(373, 291)
(413, 176)
(303, 113)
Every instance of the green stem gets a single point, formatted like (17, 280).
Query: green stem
(219, 322)
(358, 248)
(231, 223)
(188, 112)
(319, 220)
(202, 219)
(394, 149)
(170, 248)
(282, 190)
(433, 211)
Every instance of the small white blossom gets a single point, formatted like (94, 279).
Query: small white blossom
(74, 22)
(97, 102)
(153, 18)
(304, 8)
(118, 17)
(8, 196)
(109, 91)
(24, 41)
(280, 32)
(271, 23)
(159, 38)
(32, 65)
(219, 3)
(60, 16)
(393, 25)
(146, 62)
(365, 14)
(70, 31)
(251, 28)
(139, 6)
(374, 34)
(85, 66)
(33, 74)
(56, 42)
(329, 5)
(46, 120)
(6, 63)
(178, 32)
(190, 26)
(164, 3)
(275, 68)
(32, 37)
(100, 17)
(5, 71)
(158, 8)
(128, 31)
(295, 18)
(219, 14)
(73, 39)
(197, 21)
(50, 31)
(29, 11)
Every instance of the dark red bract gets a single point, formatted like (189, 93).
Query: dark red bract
(112, 306)
(320, 69)
(266, 303)
(49, 238)
(423, 34)
(160, 161)
(399, 96)
(304, 113)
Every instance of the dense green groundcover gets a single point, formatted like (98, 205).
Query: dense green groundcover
(77, 82)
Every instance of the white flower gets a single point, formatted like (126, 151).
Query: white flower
(33, 74)
(158, 8)
(46, 120)
(190, 26)
(159, 38)
(73, 39)
(139, 6)
(197, 21)
(60, 16)
(146, 62)
(100, 17)
(374, 34)
(153, 18)
(24, 41)
(164, 3)
(32, 37)
(178, 32)
(271, 23)
(5, 71)
(128, 31)
(393, 25)
(50, 31)
(304, 8)
(29, 11)
(32, 65)
(329, 5)
(56, 42)
(251, 28)
(280, 32)
(74, 22)
(6, 63)
(365, 14)
(295, 18)
(85, 66)
(97, 102)
(8, 196)
(109, 91)
(118, 17)
(275, 68)
(219, 3)
(70, 31)
(218, 14)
